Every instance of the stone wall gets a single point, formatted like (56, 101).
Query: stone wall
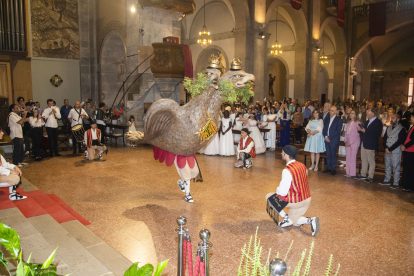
(391, 86)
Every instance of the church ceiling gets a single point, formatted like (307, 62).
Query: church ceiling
(184, 6)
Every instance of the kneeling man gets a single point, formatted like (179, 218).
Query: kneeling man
(93, 142)
(293, 192)
(245, 150)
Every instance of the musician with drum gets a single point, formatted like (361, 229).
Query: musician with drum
(75, 117)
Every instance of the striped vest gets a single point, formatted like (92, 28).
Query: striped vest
(89, 137)
(299, 189)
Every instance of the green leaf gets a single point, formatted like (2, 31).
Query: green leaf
(49, 260)
(9, 239)
(160, 267)
(20, 266)
(132, 270)
(2, 260)
(146, 270)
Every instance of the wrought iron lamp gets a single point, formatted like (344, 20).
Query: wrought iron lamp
(276, 47)
(204, 39)
(323, 58)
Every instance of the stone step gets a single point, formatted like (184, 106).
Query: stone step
(31, 242)
(70, 250)
(112, 259)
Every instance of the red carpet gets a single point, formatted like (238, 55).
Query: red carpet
(68, 209)
(38, 203)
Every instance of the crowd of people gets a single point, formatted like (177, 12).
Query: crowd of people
(349, 128)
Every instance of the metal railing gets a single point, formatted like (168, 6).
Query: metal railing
(392, 6)
(12, 25)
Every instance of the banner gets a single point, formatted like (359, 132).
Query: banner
(296, 4)
(341, 13)
(377, 18)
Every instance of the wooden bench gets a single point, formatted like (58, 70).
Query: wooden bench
(117, 135)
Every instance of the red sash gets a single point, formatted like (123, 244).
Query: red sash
(410, 149)
(299, 189)
(89, 137)
(248, 141)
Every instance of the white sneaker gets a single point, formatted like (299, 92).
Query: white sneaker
(189, 199)
(15, 196)
(314, 225)
(286, 222)
(181, 185)
(99, 156)
(20, 166)
(24, 164)
(86, 156)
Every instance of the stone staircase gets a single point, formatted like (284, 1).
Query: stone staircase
(45, 222)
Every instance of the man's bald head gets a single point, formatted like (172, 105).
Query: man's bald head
(77, 104)
(332, 111)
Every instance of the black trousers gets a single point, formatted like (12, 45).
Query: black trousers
(52, 136)
(298, 134)
(102, 129)
(66, 124)
(407, 181)
(18, 151)
(26, 138)
(37, 134)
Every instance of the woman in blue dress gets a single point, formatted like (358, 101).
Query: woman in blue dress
(284, 115)
(315, 144)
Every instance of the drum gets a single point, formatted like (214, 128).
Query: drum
(78, 133)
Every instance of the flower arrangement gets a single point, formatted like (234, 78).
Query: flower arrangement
(251, 261)
(229, 92)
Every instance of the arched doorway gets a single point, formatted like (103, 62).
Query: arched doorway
(112, 64)
(203, 59)
(323, 86)
(277, 71)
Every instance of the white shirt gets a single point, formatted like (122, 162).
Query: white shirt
(51, 120)
(94, 137)
(5, 167)
(286, 181)
(330, 123)
(15, 128)
(33, 123)
(74, 115)
(249, 147)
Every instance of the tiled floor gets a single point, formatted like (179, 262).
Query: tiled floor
(133, 201)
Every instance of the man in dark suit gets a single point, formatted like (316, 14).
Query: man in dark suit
(405, 116)
(332, 131)
(371, 132)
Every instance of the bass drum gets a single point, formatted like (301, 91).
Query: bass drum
(78, 133)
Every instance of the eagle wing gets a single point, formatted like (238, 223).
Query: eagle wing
(159, 117)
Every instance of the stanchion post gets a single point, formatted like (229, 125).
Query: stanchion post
(181, 232)
(277, 267)
(205, 245)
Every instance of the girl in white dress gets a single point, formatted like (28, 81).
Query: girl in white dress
(264, 124)
(259, 143)
(226, 136)
(131, 124)
(214, 147)
(238, 126)
(271, 123)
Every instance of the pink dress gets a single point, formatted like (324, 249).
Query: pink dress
(352, 137)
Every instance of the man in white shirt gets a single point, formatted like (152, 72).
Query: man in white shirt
(75, 117)
(10, 175)
(52, 114)
(245, 150)
(16, 133)
(293, 192)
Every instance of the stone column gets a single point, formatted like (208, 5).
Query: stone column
(365, 84)
(300, 90)
(259, 50)
(88, 60)
(340, 76)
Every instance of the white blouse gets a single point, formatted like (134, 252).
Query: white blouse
(35, 122)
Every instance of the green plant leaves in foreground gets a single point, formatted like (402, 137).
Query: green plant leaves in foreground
(9, 239)
(145, 270)
(49, 260)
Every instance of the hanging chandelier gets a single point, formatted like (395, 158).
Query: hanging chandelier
(204, 39)
(276, 47)
(323, 58)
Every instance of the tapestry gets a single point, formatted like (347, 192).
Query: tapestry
(55, 28)
(377, 18)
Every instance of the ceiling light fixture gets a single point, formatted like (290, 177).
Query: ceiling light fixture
(204, 40)
(133, 8)
(323, 58)
(276, 47)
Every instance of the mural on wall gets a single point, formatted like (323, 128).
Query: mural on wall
(55, 29)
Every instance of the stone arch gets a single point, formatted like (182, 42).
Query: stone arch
(393, 51)
(112, 57)
(338, 33)
(296, 19)
(202, 58)
(112, 26)
(278, 67)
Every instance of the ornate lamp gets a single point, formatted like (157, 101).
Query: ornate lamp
(276, 47)
(204, 39)
(323, 58)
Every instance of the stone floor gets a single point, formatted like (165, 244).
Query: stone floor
(133, 201)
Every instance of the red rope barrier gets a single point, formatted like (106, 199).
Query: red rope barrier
(197, 266)
(184, 254)
(202, 269)
(190, 259)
